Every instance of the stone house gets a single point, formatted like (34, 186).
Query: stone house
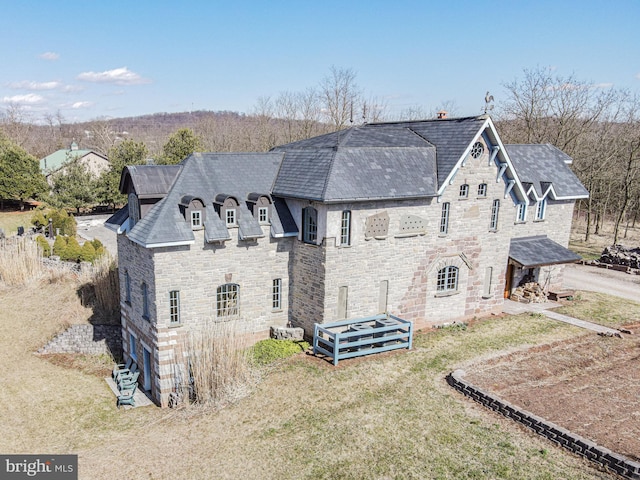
(432, 221)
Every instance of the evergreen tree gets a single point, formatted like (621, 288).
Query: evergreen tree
(87, 252)
(73, 250)
(44, 245)
(60, 246)
(179, 146)
(128, 152)
(74, 187)
(20, 176)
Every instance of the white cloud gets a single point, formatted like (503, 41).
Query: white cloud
(30, 85)
(28, 99)
(602, 85)
(638, 76)
(78, 105)
(117, 76)
(49, 56)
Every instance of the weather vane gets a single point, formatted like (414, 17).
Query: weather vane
(488, 99)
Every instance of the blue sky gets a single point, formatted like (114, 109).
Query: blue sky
(93, 59)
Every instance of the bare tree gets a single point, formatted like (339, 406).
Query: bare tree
(341, 96)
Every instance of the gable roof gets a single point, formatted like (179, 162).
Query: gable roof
(55, 160)
(544, 169)
(148, 181)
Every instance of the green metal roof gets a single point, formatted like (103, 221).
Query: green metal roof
(54, 161)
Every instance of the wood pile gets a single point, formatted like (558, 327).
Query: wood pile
(621, 255)
(530, 292)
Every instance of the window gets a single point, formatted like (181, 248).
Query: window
(196, 219)
(227, 300)
(477, 150)
(174, 307)
(464, 191)
(134, 209)
(231, 217)
(495, 208)
(345, 228)
(447, 279)
(482, 190)
(521, 213)
(127, 288)
(541, 207)
(145, 301)
(309, 225)
(444, 219)
(276, 294)
(263, 214)
(132, 347)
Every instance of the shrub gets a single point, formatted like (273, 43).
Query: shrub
(44, 245)
(59, 246)
(87, 252)
(270, 350)
(60, 219)
(96, 243)
(72, 252)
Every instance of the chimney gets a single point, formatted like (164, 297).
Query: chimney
(74, 146)
(442, 114)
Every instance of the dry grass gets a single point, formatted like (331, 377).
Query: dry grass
(219, 365)
(10, 221)
(387, 416)
(593, 248)
(19, 261)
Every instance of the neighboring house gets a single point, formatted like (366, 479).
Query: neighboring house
(432, 221)
(95, 162)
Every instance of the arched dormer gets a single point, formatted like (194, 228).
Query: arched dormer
(260, 206)
(228, 208)
(193, 210)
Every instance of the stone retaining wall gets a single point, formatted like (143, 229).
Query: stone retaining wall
(558, 435)
(87, 339)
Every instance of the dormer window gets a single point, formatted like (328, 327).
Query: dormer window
(263, 214)
(231, 217)
(134, 209)
(196, 219)
(541, 207)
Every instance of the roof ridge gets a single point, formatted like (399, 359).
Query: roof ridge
(328, 175)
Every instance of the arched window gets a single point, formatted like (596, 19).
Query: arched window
(309, 225)
(145, 301)
(134, 209)
(447, 279)
(227, 300)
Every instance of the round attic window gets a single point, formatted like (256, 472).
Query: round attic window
(477, 150)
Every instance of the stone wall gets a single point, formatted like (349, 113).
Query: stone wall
(88, 340)
(552, 432)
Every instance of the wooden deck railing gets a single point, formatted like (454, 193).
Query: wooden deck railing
(362, 336)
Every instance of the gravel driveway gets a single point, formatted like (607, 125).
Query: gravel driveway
(594, 279)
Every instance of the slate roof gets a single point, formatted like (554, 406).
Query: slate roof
(537, 251)
(544, 166)
(203, 176)
(375, 161)
(148, 181)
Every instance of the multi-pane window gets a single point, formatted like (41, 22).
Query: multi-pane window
(541, 206)
(231, 217)
(444, 218)
(495, 209)
(132, 347)
(227, 300)
(276, 294)
(263, 214)
(345, 228)
(127, 287)
(464, 191)
(196, 219)
(482, 190)
(521, 213)
(145, 301)
(174, 307)
(309, 225)
(447, 279)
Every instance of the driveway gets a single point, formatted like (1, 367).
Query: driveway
(594, 279)
(92, 226)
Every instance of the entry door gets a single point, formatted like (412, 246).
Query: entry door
(509, 280)
(147, 369)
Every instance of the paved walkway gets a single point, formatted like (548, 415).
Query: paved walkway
(140, 398)
(514, 308)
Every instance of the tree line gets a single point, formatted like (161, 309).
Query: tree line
(598, 126)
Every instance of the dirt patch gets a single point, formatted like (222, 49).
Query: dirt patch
(589, 385)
